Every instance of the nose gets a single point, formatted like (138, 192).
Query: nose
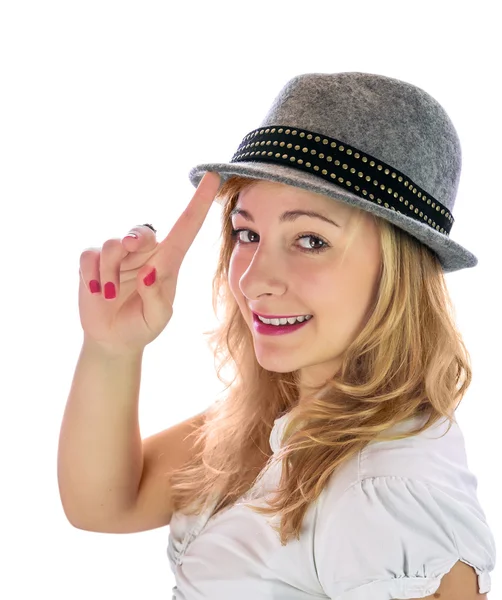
(263, 275)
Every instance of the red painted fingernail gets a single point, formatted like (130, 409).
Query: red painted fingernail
(110, 290)
(94, 286)
(150, 278)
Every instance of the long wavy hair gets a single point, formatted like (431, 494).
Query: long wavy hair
(409, 359)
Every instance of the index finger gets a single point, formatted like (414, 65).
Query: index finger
(178, 241)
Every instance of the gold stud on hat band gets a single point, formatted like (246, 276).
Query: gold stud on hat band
(345, 165)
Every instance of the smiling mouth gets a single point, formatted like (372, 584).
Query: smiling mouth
(281, 316)
(305, 318)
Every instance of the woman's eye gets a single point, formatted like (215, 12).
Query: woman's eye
(305, 236)
(236, 234)
(308, 238)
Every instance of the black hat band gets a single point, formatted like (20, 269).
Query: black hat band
(345, 165)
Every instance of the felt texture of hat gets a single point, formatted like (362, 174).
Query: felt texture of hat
(390, 146)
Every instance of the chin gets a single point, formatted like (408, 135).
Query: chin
(277, 363)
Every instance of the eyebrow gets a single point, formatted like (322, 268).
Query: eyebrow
(286, 217)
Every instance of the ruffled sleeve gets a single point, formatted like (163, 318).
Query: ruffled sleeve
(393, 537)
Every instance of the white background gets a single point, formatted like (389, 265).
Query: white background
(105, 107)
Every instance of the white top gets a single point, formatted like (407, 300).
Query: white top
(389, 524)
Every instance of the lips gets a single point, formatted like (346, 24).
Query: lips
(262, 328)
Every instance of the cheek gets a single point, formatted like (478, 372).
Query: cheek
(318, 284)
(347, 300)
(330, 289)
(235, 270)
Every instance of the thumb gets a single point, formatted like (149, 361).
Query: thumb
(157, 308)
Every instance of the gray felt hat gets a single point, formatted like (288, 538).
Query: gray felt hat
(371, 141)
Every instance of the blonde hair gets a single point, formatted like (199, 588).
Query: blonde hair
(408, 360)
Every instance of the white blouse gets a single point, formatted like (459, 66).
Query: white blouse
(389, 524)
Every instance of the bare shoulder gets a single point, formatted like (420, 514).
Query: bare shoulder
(460, 583)
(163, 453)
(172, 446)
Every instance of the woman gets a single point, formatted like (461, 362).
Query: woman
(334, 467)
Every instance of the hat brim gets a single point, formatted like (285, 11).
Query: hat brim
(453, 256)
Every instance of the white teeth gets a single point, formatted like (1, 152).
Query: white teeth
(291, 320)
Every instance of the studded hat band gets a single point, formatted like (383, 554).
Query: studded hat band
(345, 165)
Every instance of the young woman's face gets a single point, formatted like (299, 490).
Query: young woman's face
(272, 272)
